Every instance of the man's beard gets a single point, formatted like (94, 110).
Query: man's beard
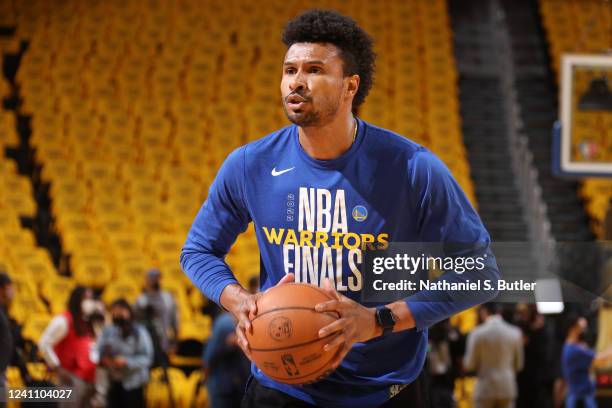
(303, 119)
(313, 117)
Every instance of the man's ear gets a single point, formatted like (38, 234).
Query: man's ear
(352, 85)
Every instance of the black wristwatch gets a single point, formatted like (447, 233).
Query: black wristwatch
(385, 319)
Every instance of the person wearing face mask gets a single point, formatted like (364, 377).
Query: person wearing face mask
(126, 352)
(68, 346)
(157, 310)
(576, 361)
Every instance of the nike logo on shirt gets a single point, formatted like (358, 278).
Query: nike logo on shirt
(279, 172)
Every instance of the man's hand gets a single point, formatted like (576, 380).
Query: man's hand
(357, 323)
(119, 362)
(243, 306)
(231, 340)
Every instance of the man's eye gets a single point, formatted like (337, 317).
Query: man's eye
(315, 70)
(290, 71)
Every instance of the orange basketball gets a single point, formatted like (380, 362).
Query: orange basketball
(285, 344)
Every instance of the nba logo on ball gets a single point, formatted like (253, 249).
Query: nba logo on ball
(360, 213)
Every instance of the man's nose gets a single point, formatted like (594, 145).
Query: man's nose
(297, 82)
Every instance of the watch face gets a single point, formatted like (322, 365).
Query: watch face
(386, 318)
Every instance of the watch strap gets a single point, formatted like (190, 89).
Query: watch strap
(385, 319)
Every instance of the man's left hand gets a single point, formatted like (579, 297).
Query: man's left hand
(357, 323)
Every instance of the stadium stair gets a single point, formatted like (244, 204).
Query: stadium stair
(537, 99)
(22, 153)
(486, 140)
(536, 94)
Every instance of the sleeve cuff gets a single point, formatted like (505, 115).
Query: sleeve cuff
(216, 296)
(416, 309)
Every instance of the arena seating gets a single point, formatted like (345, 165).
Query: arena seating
(128, 115)
(135, 105)
(584, 27)
(597, 194)
(27, 264)
(575, 26)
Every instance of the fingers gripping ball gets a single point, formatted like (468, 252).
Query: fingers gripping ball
(284, 342)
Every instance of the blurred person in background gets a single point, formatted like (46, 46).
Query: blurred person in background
(68, 345)
(495, 352)
(209, 308)
(576, 361)
(607, 225)
(535, 386)
(12, 343)
(442, 380)
(225, 366)
(126, 352)
(157, 310)
(6, 331)
(531, 324)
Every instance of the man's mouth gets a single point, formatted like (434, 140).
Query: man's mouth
(296, 105)
(296, 102)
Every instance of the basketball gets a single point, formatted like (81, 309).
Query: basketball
(284, 343)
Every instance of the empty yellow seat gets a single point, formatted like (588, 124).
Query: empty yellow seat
(99, 170)
(81, 241)
(35, 325)
(23, 204)
(197, 390)
(24, 284)
(157, 391)
(198, 328)
(18, 236)
(24, 306)
(56, 290)
(171, 269)
(121, 289)
(133, 269)
(93, 273)
(39, 269)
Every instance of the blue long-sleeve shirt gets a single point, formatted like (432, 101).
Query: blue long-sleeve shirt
(309, 216)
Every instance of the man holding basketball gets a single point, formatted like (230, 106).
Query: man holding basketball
(318, 192)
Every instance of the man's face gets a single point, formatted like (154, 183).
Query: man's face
(154, 282)
(581, 325)
(119, 312)
(7, 293)
(313, 85)
(484, 314)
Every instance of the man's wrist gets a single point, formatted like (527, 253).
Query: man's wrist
(378, 330)
(401, 315)
(404, 319)
(232, 296)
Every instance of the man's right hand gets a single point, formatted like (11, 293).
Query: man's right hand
(243, 306)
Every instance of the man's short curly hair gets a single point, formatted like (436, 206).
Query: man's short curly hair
(327, 26)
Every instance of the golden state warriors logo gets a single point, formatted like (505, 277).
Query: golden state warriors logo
(359, 213)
